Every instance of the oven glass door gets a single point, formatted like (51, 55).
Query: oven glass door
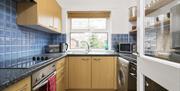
(43, 85)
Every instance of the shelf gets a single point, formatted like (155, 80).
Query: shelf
(132, 19)
(133, 30)
(167, 22)
(157, 5)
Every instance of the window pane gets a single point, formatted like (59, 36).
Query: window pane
(95, 40)
(79, 23)
(76, 40)
(99, 23)
(98, 41)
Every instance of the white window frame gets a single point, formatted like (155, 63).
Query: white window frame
(107, 30)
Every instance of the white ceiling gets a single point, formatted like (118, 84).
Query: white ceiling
(92, 3)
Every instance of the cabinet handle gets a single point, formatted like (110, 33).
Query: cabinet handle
(133, 69)
(97, 59)
(85, 59)
(132, 74)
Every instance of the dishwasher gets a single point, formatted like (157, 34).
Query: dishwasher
(123, 67)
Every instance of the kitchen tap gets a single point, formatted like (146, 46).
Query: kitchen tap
(87, 44)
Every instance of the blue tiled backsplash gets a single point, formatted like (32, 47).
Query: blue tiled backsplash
(121, 38)
(17, 42)
(58, 38)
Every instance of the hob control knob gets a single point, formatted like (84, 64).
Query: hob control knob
(36, 80)
(43, 75)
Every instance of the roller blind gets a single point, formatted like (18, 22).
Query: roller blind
(89, 14)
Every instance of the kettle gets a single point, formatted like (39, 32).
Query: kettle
(63, 47)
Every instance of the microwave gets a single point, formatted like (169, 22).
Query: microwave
(125, 48)
(60, 48)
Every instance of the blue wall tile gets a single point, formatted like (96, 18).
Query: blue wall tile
(121, 38)
(16, 41)
(58, 38)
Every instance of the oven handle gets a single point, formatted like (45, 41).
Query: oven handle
(133, 75)
(42, 83)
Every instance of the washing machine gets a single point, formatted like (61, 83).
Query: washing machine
(123, 68)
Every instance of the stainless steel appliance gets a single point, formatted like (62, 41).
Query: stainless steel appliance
(40, 78)
(132, 70)
(133, 11)
(134, 48)
(60, 48)
(150, 85)
(125, 48)
(123, 66)
(63, 47)
(132, 76)
(52, 49)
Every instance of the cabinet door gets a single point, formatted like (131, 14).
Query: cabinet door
(23, 85)
(60, 72)
(103, 72)
(57, 17)
(60, 85)
(44, 13)
(79, 72)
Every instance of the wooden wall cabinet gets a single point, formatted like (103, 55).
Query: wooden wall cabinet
(92, 72)
(43, 15)
(23, 85)
(60, 73)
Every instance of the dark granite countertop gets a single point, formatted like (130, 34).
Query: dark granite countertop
(9, 76)
(92, 53)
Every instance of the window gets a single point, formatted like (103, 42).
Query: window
(92, 30)
(88, 24)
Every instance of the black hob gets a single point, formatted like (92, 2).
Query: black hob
(28, 62)
(130, 57)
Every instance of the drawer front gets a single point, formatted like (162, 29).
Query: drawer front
(23, 85)
(60, 63)
(60, 74)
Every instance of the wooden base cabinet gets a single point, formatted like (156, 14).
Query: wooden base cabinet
(92, 72)
(103, 72)
(60, 73)
(79, 72)
(43, 15)
(23, 85)
(90, 90)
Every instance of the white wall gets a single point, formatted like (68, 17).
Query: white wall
(118, 8)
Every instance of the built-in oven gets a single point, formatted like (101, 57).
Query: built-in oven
(132, 77)
(40, 78)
